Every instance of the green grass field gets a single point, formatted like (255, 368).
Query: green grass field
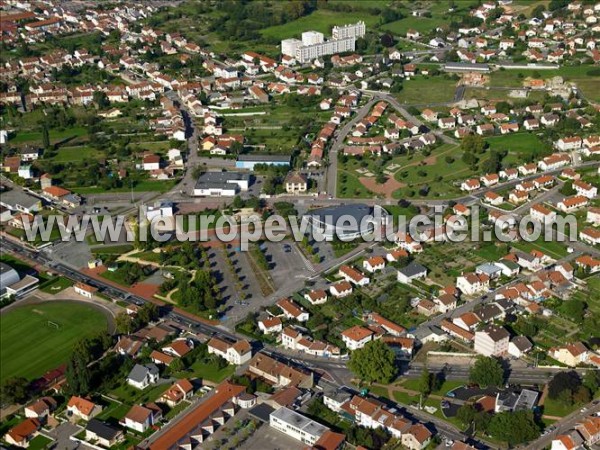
(71, 154)
(31, 346)
(55, 135)
(56, 285)
(421, 90)
(320, 20)
(518, 144)
(421, 24)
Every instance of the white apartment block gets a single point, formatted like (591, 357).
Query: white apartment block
(313, 44)
(354, 30)
(492, 341)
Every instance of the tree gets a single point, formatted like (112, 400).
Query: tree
(473, 143)
(123, 323)
(568, 188)
(563, 385)
(101, 99)
(425, 382)
(14, 390)
(513, 427)
(487, 371)
(373, 362)
(466, 414)
(591, 380)
(237, 202)
(45, 138)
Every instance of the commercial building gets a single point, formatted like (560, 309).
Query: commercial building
(249, 161)
(221, 184)
(297, 426)
(347, 221)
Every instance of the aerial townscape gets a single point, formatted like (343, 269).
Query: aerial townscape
(125, 123)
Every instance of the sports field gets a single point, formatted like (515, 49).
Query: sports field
(37, 338)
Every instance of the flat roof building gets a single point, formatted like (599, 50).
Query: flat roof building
(249, 161)
(221, 184)
(347, 221)
(297, 426)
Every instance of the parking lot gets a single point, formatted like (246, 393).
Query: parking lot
(267, 438)
(286, 262)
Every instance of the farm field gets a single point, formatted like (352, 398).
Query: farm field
(31, 345)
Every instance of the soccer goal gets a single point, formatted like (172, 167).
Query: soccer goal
(53, 325)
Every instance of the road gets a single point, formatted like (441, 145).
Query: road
(336, 369)
(563, 426)
(340, 137)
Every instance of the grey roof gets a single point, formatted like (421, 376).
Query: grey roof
(522, 343)
(265, 158)
(522, 401)
(488, 268)
(139, 372)
(495, 333)
(332, 214)
(8, 276)
(488, 312)
(262, 412)
(510, 264)
(299, 421)
(102, 430)
(412, 269)
(18, 197)
(220, 180)
(466, 66)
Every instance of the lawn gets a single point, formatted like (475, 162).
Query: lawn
(422, 90)
(80, 153)
(557, 409)
(421, 24)
(142, 186)
(552, 248)
(56, 285)
(209, 371)
(31, 345)
(55, 135)
(320, 20)
(518, 144)
(39, 442)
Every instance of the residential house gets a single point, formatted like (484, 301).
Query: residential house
(82, 408)
(102, 434)
(141, 418)
(374, 264)
(570, 204)
(316, 297)
(142, 376)
(570, 354)
(472, 284)
(492, 341)
(411, 272)
(341, 289)
(270, 325)
(357, 337)
(180, 391)
(236, 352)
(291, 310)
